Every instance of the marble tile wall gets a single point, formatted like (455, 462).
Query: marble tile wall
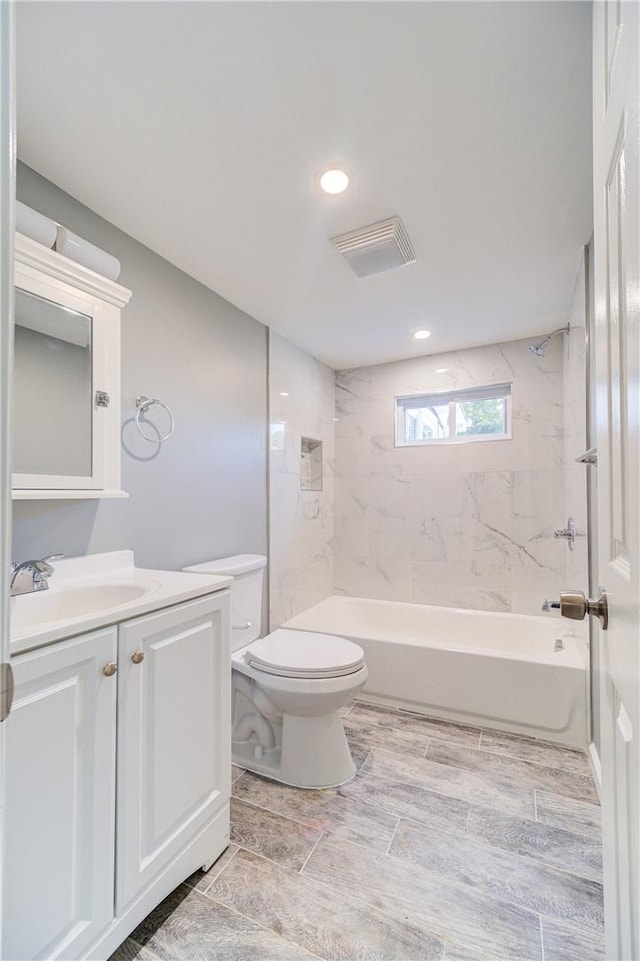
(575, 441)
(464, 525)
(301, 521)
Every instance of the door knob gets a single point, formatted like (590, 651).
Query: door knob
(575, 605)
(109, 669)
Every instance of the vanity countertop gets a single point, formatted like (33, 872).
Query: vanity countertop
(97, 590)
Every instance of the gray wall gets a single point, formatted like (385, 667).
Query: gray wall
(204, 494)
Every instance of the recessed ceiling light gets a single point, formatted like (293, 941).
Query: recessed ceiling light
(421, 334)
(284, 393)
(334, 181)
(441, 370)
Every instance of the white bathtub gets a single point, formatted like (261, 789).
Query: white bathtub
(500, 671)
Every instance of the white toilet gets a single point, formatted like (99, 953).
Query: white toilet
(287, 688)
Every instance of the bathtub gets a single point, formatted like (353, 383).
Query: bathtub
(509, 672)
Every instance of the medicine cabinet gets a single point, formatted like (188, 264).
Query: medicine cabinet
(66, 378)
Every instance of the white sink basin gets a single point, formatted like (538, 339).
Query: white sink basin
(99, 590)
(28, 611)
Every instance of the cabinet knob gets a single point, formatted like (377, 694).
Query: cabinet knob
(109, 669)
(138, 657)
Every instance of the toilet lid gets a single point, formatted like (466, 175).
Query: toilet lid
(305, 654)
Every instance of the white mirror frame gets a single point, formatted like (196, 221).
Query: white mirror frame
(48, 274)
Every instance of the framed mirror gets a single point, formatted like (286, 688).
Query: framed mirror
(52, 388)
(66, 378)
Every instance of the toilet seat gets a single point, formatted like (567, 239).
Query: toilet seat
(304, 654)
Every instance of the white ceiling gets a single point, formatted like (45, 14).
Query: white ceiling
(200, 129)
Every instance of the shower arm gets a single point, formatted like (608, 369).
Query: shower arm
(539, 347)
(560, 330)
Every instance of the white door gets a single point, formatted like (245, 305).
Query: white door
(7, 191)
(60, 798)
(616, 50)
(174, 737)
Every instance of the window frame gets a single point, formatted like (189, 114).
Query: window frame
(452, 397)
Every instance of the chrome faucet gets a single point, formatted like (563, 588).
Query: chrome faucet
(30, 576)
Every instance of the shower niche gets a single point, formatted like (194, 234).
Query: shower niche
(310, 464)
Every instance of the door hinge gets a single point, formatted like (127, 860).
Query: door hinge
(102, 398)
(6, 689)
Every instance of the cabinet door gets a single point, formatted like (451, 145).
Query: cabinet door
(174, 735)
(67, 340)
(59, 836)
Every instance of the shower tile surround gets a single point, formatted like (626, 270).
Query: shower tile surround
(301, 405)
(451, 843)
(462, 525)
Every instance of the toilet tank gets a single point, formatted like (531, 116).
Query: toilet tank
(247, 571)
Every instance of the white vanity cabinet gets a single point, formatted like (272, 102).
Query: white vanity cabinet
(118, 777)
(60, 814)
(174, 761)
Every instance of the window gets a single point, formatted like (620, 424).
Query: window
(454, 416)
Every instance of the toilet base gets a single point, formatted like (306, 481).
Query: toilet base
(313, 753)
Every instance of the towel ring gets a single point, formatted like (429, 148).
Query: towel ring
(143, 404)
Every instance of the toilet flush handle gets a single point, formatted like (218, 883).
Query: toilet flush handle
(241, 627)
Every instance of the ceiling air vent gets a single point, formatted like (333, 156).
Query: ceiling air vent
(375, 248)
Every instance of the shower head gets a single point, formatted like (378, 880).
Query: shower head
(539, 348)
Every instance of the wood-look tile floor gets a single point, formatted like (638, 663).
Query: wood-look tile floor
(451, 843)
